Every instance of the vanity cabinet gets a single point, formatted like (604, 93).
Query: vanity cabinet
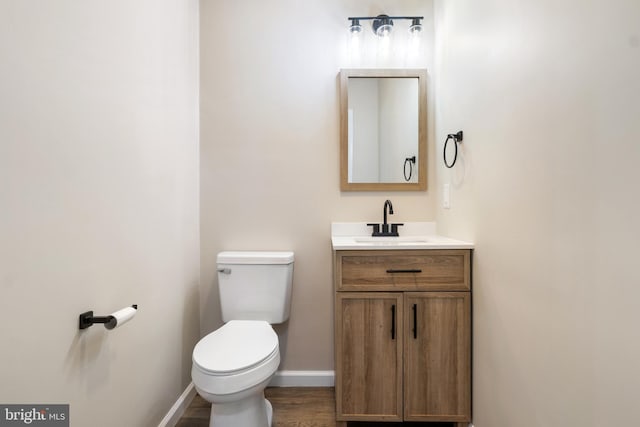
(403, 335)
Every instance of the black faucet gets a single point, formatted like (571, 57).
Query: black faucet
(387, 204)
(385, 226)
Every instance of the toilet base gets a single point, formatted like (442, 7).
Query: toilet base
(269, 412)
(255, 411)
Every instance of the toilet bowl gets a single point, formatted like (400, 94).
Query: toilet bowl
(233, 364)
(231, 368)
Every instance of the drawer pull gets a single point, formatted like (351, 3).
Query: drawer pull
(415, 321)
(393, 322)
(411, 270)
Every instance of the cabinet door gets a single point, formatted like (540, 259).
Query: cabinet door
(437, 371)
(369, 337)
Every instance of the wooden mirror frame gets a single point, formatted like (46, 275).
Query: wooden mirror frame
(421, 75)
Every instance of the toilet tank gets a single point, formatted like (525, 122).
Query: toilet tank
(255, 285)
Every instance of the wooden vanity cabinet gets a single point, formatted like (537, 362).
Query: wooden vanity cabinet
(403, 335)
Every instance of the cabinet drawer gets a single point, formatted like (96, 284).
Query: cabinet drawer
(421, 270)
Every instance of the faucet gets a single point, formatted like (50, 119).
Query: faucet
(388, 207)
(387, 204)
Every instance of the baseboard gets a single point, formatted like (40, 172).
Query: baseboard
(178, 408)
(303, 379)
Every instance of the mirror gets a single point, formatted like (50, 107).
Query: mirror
(383, 130)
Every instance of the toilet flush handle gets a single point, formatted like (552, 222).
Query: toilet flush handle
(224, 270)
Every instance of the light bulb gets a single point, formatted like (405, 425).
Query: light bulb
(384, 30)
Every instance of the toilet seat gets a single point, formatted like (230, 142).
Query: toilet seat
(237, 346)
(235, 358)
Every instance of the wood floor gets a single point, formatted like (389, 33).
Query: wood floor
(292, 407)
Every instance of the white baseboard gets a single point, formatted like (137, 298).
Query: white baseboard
(178, 408)
(303, 379)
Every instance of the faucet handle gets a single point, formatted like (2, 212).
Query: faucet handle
(394, 229)
(376, 229)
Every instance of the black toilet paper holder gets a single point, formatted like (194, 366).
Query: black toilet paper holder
(87, 319)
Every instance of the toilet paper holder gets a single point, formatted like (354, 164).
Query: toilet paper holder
(87, 319)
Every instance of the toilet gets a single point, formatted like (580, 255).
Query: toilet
(233, 364)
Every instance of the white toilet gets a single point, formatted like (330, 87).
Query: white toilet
(233, 364)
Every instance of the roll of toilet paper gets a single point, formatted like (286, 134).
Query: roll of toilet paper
(120, 317)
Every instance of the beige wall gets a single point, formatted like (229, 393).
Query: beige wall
(548, 96)
(98, 204)
(269, 149)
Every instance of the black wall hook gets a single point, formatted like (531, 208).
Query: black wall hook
(88, 319)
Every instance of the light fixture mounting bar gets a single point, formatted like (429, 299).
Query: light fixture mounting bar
(367, 18)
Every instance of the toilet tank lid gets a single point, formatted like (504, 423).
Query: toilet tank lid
(255, 257)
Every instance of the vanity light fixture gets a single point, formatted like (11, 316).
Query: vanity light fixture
(383, 24)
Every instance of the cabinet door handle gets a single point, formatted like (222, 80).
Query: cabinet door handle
(410, 270)
(415, 321)
(393, 322)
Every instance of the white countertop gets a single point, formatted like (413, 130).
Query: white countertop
(413, 235)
